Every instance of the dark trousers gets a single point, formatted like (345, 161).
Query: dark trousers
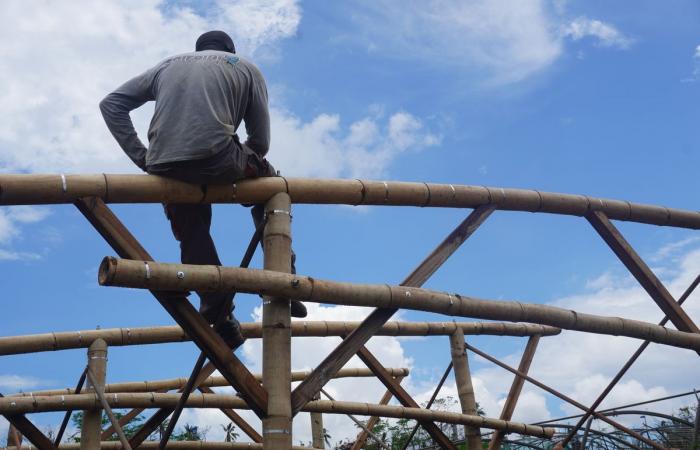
(191, 223)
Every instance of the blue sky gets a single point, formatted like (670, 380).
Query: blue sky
(594, 97)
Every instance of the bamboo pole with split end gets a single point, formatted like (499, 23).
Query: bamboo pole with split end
(465, 389)
(218, 401)
(156, 276)
(276, 328)
(19, 189)
(179, 445)
(92, 416)
(13, 345)
(213, 381)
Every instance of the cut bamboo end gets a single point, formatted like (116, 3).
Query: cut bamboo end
(105, 273)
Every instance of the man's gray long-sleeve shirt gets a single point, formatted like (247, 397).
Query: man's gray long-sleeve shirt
(201, 99)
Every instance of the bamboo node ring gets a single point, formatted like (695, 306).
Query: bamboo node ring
(64, 183)
(386, 191)
(148, 271)
(454, 194)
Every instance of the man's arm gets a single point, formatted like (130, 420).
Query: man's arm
(257, 117)
(115, 110)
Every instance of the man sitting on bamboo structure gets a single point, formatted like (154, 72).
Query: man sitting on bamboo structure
(200, 100)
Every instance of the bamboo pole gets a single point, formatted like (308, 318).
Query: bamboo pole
(112, 418)
(465, 389)
(215, 381)
(32, 343)
(181, 445)
(218, 401)
(317, 430)
(372, 421)
(515, 389)
(16, 189)
(276, 329)
(130, 273)
(92, 416)
(357, 422)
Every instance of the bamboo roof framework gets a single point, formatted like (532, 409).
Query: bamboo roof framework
(274, 401)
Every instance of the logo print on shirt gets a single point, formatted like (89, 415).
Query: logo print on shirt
(232, 60)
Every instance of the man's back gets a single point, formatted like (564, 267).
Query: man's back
(201, 99)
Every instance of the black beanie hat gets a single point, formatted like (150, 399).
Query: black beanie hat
(215, 40)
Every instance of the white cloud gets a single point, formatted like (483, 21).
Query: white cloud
(59, 61)
(509, 40)
(502, 41)
(11, 219)
(49, 107)
(605, 34)
(18, 383)
(323, 148)
(696, 67)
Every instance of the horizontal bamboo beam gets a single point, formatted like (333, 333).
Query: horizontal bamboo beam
(32, 343)
(177, 445)
(215, 381)
(175, 277)
(17, 405)
(17, 189)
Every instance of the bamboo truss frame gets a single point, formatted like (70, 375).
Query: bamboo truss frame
(274, 400)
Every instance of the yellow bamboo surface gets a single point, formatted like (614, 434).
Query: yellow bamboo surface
(15, 405)
(13, 345)
(215, 381)
(18, 189)
(173, 277)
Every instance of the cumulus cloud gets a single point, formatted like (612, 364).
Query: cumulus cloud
(509, 40)
(503, 42)
(11, 220)
(49, 105)
(605, 35)
(58, 63)
(365, 149)
(307, 353)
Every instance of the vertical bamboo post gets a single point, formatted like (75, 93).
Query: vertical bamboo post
(276, 332)
(515, 389)
(92, 419)
(465, 390)
(14, 437)
(317, 440)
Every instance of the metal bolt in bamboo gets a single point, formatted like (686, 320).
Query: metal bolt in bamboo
(161, 400)
(276, 329)
(13, 345)
(28, 189)
(131, 273)
(465, 389)
(92, 417)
